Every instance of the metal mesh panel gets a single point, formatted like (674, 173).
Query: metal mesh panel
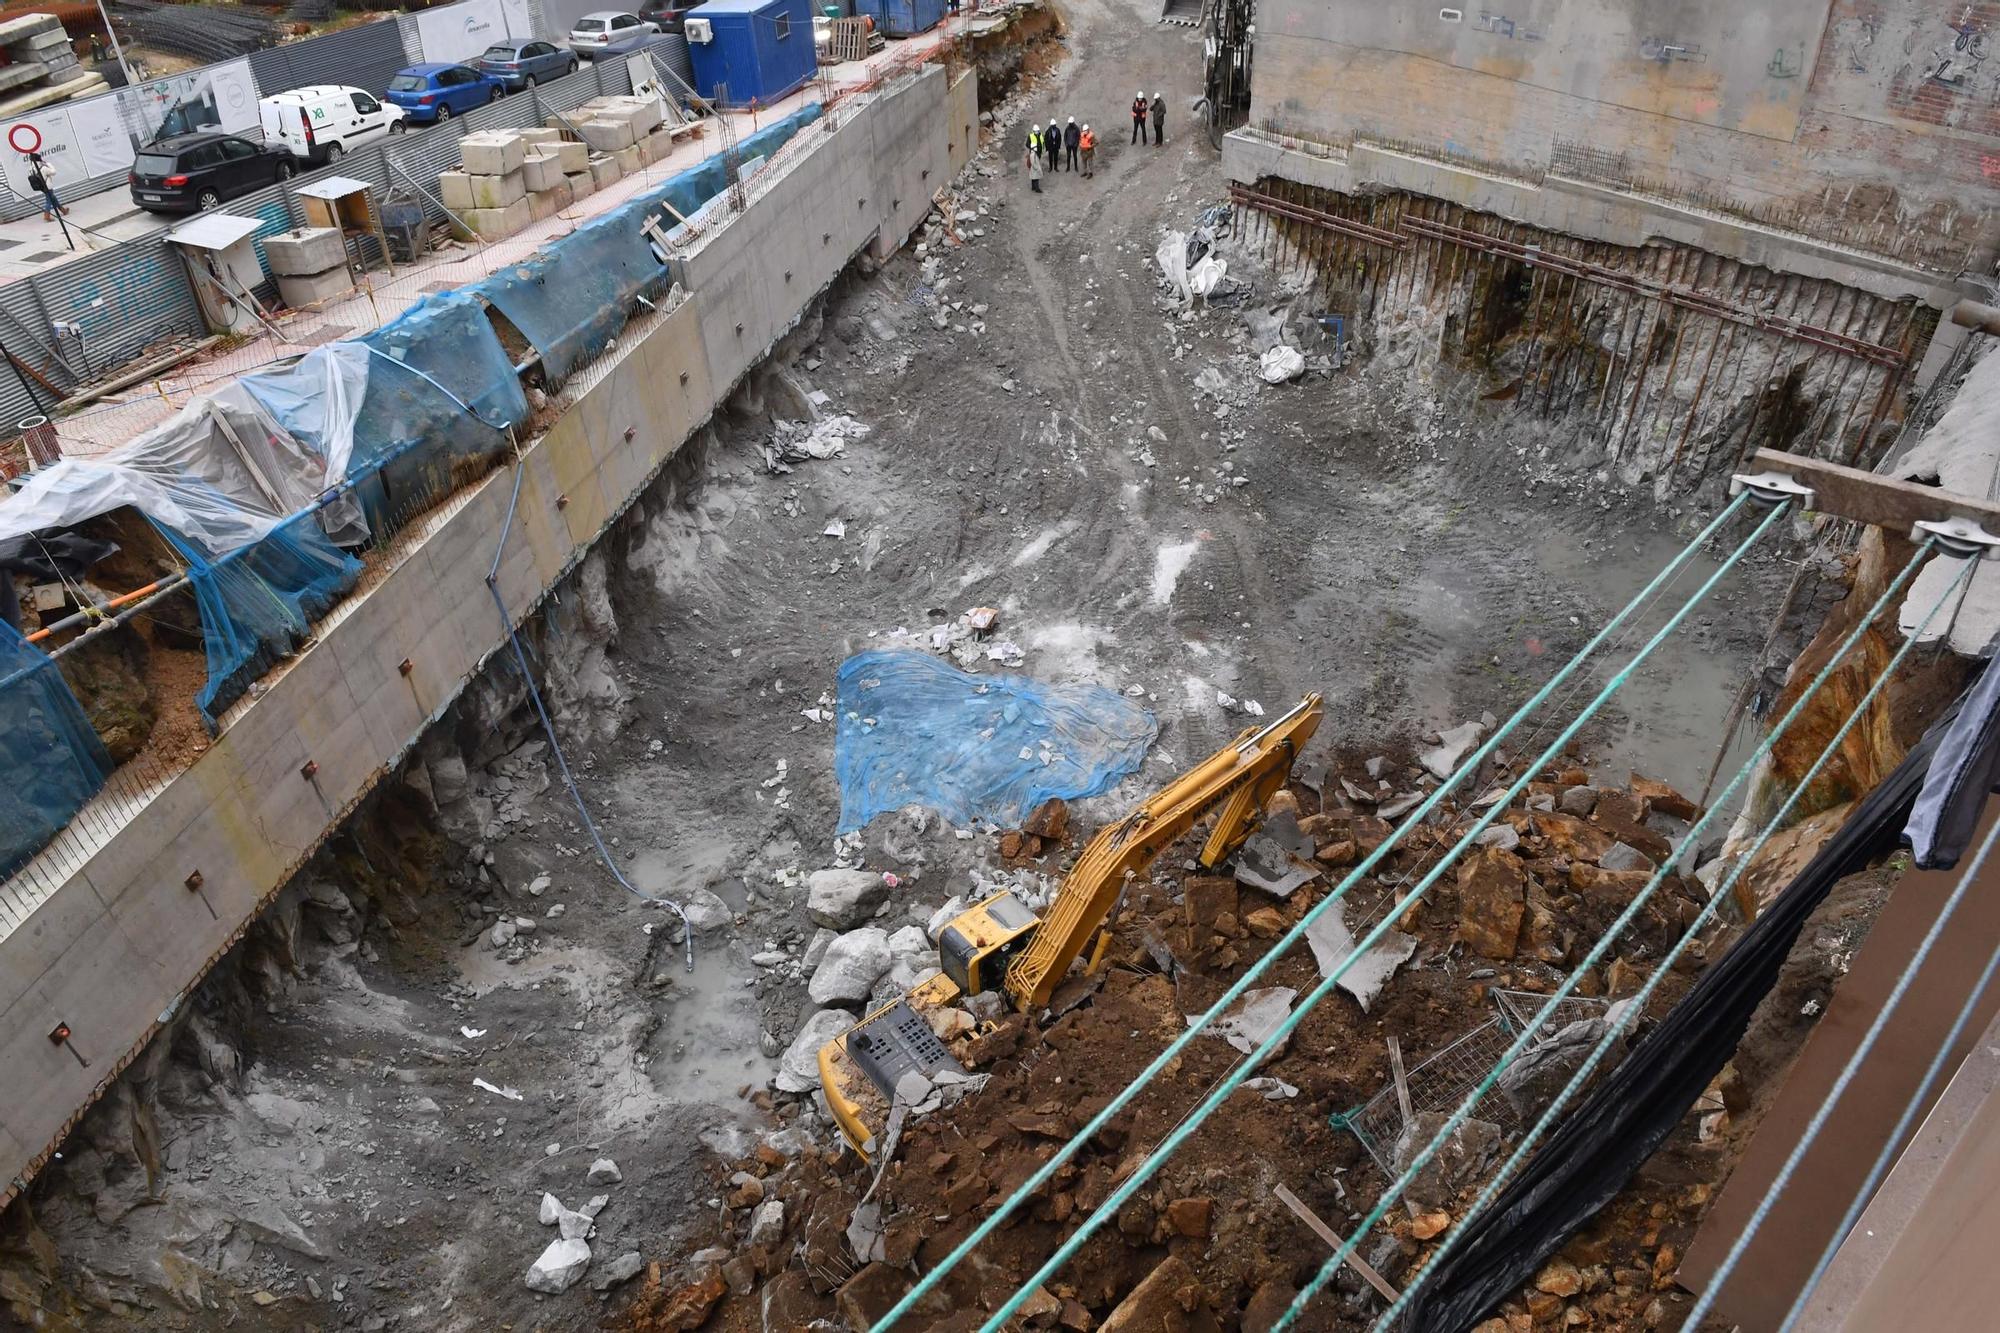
(367, 56)
(1441, 1083)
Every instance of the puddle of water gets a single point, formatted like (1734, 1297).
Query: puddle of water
(708, 1045)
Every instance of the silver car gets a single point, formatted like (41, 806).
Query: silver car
(594, 32)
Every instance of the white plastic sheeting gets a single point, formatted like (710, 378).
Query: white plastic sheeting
(222, 471)
(1281, 363)
(1207, 274)
(1172, 259)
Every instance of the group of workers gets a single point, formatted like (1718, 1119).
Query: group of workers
(1050, 147)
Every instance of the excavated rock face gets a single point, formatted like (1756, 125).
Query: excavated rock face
(108, 674)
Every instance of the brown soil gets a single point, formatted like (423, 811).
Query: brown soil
(1212, 1207)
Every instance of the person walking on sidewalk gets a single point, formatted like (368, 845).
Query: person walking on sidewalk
(1072, 140)
(42, 181)
(1139, 105)
(1159, 119)
(1088, 142)
(1052, 144)
(1035, 160)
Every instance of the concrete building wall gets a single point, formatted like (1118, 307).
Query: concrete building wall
(1870, 125)
(126, 938)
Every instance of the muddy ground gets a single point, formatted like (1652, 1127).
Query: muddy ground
(1037, 443)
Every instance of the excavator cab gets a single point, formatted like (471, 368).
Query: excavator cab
(976, 948)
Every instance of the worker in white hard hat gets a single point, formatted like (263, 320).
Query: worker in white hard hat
(1072, 137)
(1139, 107)
(1159, 119)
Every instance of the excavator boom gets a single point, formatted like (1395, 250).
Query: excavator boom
(861, 1069)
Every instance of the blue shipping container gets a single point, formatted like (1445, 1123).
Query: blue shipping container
(757, 48)
(901, 18)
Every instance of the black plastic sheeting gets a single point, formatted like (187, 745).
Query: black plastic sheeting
(1595, 1150)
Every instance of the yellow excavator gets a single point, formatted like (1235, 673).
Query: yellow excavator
(1000, 944)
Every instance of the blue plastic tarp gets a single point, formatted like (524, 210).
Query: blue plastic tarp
(571, 296)
(914, 730)
(50, 756)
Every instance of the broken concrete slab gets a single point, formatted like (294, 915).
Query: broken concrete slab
(850, 968)
(1442, 760)
(558, 1268)
(1333, 943)
(843, 899)
(622, 1269)
(1256, 1016)
(798, 1068)
(604, 1171)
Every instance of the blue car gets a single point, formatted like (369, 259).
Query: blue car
(432, 92)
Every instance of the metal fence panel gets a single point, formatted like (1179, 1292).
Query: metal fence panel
(366, 56)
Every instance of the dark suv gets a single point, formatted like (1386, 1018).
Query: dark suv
(190, 172)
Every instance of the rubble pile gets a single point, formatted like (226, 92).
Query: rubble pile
(811, 1232)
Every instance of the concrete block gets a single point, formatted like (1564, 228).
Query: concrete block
(492, 153)
(542, 171)
(539, 135)
(498, 191)
(494, 223)
(306, 251)
(656, 146)
(605, 169)
(26, 26)
(607, 136)
(582, 185)
(547, 203)
(643, 112)
(630, 159)
(455, 189)
(303, 289)
(574, 157)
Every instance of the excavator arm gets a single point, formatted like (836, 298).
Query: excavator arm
(999, 944)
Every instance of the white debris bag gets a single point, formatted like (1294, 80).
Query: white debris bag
(1205, 276)
(1172, 259)
(1281, 363)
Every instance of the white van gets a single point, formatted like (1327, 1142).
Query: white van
(320, 124)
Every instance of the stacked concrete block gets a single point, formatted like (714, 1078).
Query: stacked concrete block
(491, 192)
(310, 264)
(581, 185)
(574, 157)
(607, 136)
(630, 159)
(41, 68)
(604, 169)
(542, 172)
(545, 204)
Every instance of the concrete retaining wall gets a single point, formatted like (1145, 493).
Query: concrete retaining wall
(1872, 126)
(125, 939)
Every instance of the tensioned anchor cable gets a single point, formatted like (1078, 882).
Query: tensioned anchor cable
(1892, 1146)
(1521, 1043)
(1636, 1006)
(1284, 1030)
(1854, 1062)
(548, 727)
(1465, 769)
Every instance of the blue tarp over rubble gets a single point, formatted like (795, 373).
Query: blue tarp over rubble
(914, 730)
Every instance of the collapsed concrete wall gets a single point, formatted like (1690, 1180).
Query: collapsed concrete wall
(116, 949)
(1657, 367)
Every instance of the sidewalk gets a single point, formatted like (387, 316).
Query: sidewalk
(32, 246)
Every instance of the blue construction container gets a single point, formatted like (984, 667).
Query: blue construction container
(760, 49)
(901, 18)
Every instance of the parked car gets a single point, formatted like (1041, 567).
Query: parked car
(190, 172)
(523, 64)
(666, 16)
(438, 91)
(321, 124)
(594, 32)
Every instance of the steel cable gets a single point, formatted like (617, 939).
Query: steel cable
(1637, 1005)
(1469, 766)
(1282, 1033)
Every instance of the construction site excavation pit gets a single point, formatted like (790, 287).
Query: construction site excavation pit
(1011, 450)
